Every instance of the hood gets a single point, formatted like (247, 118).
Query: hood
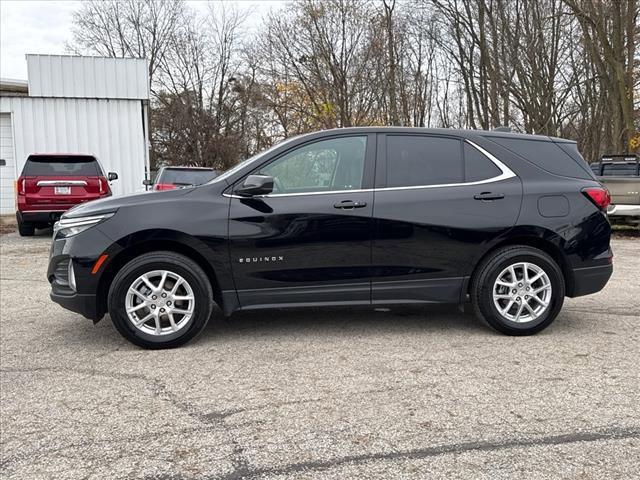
(111, 204)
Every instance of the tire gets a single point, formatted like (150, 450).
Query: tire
(184, 327)
(484, 285)
(26, 229)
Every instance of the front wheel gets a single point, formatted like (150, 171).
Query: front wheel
(518, 290)
(160, 300)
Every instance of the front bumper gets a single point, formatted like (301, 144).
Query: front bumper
(624, 211)
(590, 279)
(81, 251)
(84, 304)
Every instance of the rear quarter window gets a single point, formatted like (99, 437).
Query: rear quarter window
(61, 166)
(547, 155)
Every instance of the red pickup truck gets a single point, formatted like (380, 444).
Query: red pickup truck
(50, 184)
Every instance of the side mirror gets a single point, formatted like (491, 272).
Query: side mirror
(147, 183)
(256, 185)
(112, 176)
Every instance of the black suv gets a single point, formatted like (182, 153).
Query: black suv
(359, 216)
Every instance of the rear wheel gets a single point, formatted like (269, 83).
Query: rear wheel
(518, 290)
(26, 229)
(160, 300)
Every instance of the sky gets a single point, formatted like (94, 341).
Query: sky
(37, 26)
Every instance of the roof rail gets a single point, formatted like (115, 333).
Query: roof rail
(502, 129)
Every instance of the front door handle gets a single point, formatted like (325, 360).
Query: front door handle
(349, 204)
(489, 196)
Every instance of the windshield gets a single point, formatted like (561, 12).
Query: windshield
(250, 160)
(186, 176)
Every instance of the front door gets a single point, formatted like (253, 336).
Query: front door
(309, 241)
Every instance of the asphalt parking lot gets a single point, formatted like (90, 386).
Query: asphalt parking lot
(332, 393)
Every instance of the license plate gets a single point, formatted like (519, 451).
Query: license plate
(62, 190)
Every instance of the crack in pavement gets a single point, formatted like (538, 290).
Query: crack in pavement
(245, 473)
(159, 390)
(446, 449)
(243, 469)
(601, 311)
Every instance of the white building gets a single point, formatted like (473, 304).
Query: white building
(69, 104)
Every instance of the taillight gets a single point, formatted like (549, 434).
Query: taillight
(104, 185)
(164, 186)
(21, 186)
(598, 195)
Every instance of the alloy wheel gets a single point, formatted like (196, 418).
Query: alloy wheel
(160, 302)
(522, 292)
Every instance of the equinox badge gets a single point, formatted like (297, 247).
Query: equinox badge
(260, 259)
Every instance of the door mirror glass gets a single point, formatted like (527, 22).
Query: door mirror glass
(256, 185)
(112, 176)
(147, 183)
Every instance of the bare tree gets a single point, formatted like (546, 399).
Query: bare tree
(610, 29)
(200, 75)
(126, 28)
(389, 6)
(323, 53)
(555, 67)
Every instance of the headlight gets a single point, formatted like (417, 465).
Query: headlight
(67, 227)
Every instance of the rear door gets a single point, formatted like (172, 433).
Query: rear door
(309, 242)
(439, 203)
(58, 181)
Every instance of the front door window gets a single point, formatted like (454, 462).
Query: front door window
(328, 165)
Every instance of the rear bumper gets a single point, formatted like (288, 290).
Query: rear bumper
(624, 211)
(41, 216)
(590, 279)
(85, 305)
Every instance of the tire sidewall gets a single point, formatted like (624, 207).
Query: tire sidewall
(26, 229)
(117, 304)
(491, 313)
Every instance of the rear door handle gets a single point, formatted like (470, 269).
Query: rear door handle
(489, 196)
(349, 204)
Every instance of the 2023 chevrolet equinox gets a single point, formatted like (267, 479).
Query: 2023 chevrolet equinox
(361, 216)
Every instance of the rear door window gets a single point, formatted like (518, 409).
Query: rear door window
(61, 166)
(415, 160)
(477, 166)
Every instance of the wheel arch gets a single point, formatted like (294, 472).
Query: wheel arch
(543, 241)
(135, 245)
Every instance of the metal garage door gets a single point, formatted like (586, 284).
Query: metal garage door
(7, 166)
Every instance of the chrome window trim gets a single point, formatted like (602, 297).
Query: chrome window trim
(505, 174)
(50, 183)
(359, 190)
